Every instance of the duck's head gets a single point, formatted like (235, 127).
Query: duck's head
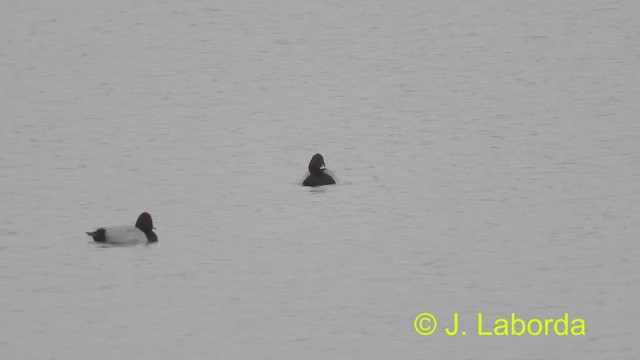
(145, 223)
(316, 165)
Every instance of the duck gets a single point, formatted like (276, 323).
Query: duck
(140, 233)
(317, 176)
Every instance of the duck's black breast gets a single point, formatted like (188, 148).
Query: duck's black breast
(151, 236)
(318, 180)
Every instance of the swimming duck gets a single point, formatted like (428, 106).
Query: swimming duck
(141, 232)
(317, 176)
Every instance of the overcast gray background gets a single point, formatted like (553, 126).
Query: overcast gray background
(486, 151)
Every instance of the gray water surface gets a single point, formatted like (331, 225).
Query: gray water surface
(486, 151)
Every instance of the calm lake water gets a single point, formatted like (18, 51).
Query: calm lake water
(486, 152)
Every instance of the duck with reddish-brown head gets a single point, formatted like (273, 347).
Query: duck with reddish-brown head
(317, 176)
(141, 233)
